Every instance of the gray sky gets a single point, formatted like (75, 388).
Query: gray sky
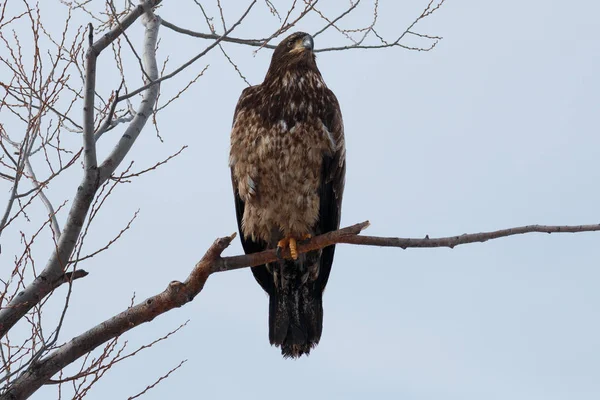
(494, 128)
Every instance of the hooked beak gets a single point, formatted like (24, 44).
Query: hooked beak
(308, 42)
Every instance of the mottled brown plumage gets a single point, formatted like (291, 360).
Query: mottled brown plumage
(287, 164)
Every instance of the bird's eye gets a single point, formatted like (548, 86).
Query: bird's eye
(290, 43)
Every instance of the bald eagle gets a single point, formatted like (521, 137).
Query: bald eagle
(288, 163)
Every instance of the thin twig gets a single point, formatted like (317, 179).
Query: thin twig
(214, 36)
(159, 380)
(49, 207)
(336, 20)
(192, 60)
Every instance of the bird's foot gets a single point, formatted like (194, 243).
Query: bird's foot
(291, 242)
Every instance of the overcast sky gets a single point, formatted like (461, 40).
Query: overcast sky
(494, 128)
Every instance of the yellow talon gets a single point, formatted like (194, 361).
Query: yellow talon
(293, 249)
(291, 242)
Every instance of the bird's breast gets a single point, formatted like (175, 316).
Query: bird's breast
(277, 168)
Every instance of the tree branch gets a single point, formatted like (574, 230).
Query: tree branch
(24, 151)
(214, 36)
(49, 207)
(178, 293)
(114, 159)
(175, 295)
(318, 242)
(53, 274)
(336, 20)
(452, 241)
(108, 120)
(260, 43)
(89, 145)
(191, 61)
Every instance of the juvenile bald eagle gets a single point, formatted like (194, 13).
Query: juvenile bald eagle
(287, 164)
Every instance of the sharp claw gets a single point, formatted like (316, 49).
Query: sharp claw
(278, 253)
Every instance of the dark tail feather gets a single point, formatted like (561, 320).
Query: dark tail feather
(296, 319)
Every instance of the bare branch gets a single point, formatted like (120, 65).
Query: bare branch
(452, 241)
(214, 36)
(234, 65)
(131, 46)
(178, 293)
(159, 380)
(285, 26)
(97, 367)
(71, 276)
(108, 121)
(152, 168)
(51, 213)
(7, 177)
(53, 274)
(54, 175)
(11, 200)
(350, 235)
(428, 11)
(24, 151)
(336, 20)
(89, 145)
(356, 44)
(129, 19)
(267, 256)
(192, 60)
(114, 159)
(113, 240)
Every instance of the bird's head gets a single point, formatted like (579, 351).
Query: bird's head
(295, 51)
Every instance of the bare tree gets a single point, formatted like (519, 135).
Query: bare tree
(51, 79)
